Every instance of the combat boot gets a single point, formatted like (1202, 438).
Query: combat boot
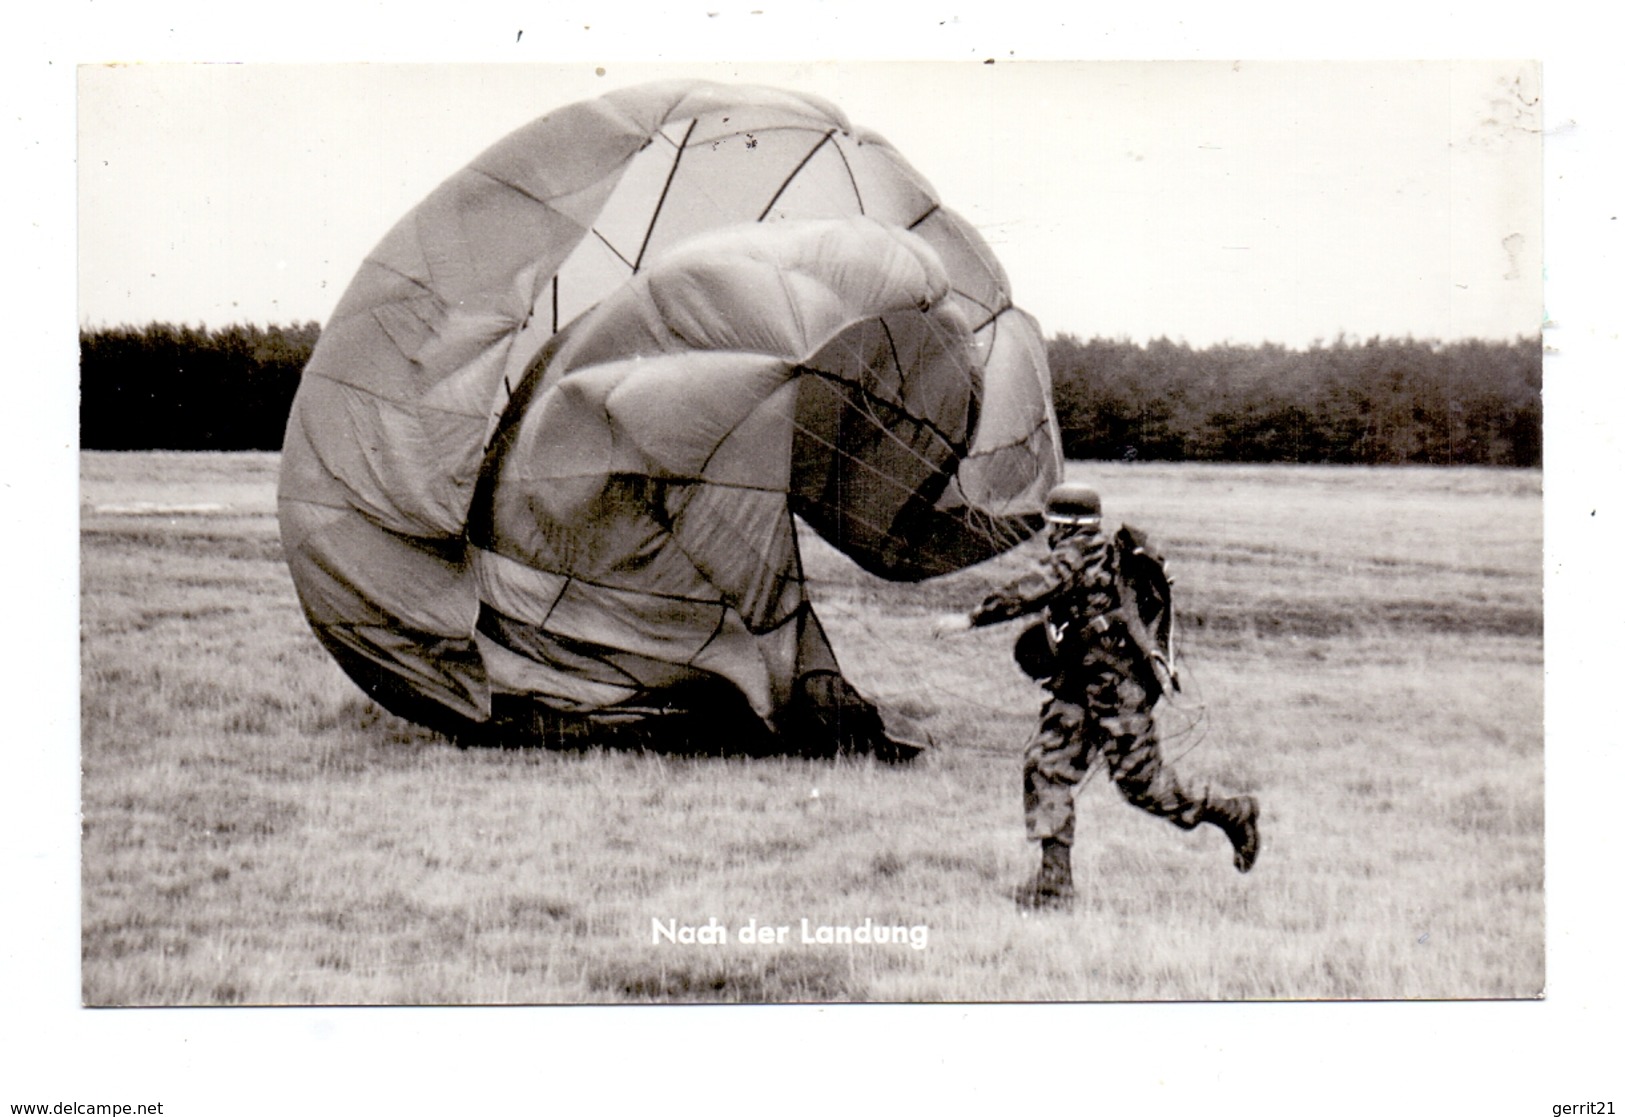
(1237, 816)
(1051, 887)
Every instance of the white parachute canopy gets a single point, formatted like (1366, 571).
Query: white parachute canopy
(554, 440)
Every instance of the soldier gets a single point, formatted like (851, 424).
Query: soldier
(1103, 651)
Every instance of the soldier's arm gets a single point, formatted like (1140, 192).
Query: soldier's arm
(1055, 573)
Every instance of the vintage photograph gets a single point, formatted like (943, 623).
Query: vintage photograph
(811, 533)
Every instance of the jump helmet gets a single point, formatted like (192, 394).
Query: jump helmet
(1073, 505)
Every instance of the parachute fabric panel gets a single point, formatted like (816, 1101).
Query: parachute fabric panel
(553, 441)
(673, 430)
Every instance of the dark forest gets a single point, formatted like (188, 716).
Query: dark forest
(1374, 401)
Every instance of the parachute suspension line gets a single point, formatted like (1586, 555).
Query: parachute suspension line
(789, 178)
(849, 456)
(555, 302)
(960, 449)
(878, 529)
(1197, 723)
(654, 217)
(959, 696)
(988, 526)
(881, 529)
(869, 398)
(868, 409)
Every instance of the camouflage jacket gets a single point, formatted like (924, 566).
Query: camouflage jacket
(1080, 588)
(1075, 581)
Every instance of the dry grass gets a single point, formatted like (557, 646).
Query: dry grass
(1364, 653)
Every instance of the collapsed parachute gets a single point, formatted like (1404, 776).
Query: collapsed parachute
(552, 445)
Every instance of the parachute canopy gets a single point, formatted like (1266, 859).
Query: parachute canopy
(555, 439)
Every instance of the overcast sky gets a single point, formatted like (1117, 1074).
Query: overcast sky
(1203, 201)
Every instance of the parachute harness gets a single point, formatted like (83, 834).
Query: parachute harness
(1146, 613)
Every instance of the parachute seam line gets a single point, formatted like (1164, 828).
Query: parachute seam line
(988, 310)
(975, 373)
(571, 644)
(920, 458)
(569, 578)
(851, 177)
(792, 302)
(515, 187)
(915, 224)
(1020, 441)
(791, 177)
(896, 359)
(397, 272)
(801, 571)
(416, 404)
(787, 126)
(747, 132)
(605, 242)
(699, 476)
(654, 218)
(806, 608)
(554, 604)
(885, 531)
(727, 603)
(959, 448)
(555, 284)
(709, 640)
(682, 479)
(806, 605)
(975, 528)
(991, 318)
(581, 649)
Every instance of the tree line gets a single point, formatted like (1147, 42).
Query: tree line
(168, 387)
(1377, 401)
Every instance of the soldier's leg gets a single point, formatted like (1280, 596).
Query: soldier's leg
(1237, 816)
(1054, 765)
(1134, 755)
(1135, 759)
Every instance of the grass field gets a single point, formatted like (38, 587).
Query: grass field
(1363, 651)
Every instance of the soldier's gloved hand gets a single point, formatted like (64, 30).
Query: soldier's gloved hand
(950, 624)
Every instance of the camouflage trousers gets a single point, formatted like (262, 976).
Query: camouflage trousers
(1106, 717)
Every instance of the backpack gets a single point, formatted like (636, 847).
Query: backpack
(1146, 597)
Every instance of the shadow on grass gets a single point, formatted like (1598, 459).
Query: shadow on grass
(703, 720)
